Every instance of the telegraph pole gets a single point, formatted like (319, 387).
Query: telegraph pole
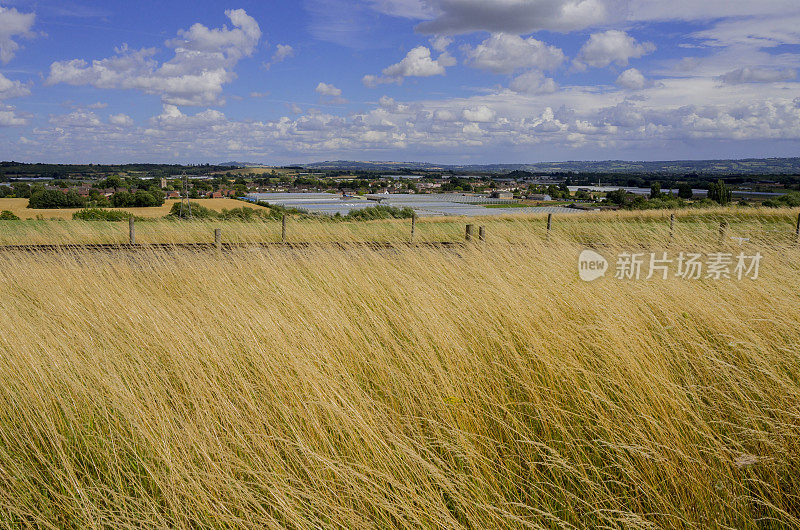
(186, 207)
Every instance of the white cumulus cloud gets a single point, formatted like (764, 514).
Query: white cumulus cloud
(282, 52)
(172, 118)
(13, 25)
(123, 120)
(76, 119)
(632, 79)
(533, 82)
(328, 90)
(612, 46)
(482, 114)
(204, 61)
(504, 54)
(440, 43)
(9, 117)
(12, 89)
(417, 63)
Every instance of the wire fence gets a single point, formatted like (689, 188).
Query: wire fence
(588, 230)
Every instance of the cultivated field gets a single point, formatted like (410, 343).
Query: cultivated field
(483, 386)
(258, 171)
(20, 208)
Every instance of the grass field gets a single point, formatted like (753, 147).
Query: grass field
(481, 387)
(20, 208)
(761, 226)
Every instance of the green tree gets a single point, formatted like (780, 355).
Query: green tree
(144, 199)
(655, 190)
(685, 190)
(49, 199)
(113, 181)
(159, 196)
(720, 193)
(138, 199)
(619, 197)
(122, 199)
(21, 190)
(97, 199)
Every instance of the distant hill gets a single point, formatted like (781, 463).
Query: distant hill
(240, 164)
(749, 166)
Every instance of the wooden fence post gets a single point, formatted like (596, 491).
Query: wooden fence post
(549, 224)
(218, 238)
(283, 228)
(413, 226)
(131, 231)
(671, 226)
(797, 229)
(723, 230)
(468, 234)
(481, 233)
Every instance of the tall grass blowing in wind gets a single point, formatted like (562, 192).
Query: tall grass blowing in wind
(483, 386)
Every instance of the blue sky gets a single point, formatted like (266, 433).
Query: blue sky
(451, 81)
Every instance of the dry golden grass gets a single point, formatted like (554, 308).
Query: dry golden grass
(483, 387)
(20, 208)
(762, 226)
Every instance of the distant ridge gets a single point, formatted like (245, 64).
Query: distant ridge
(748, 166)
(240, 164)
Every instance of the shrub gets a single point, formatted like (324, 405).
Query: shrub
(7, 215)
(790, 200)
(234, 214)
(380, 212)
(704, 203)
(241, 214)
(276, 211)
(663, 202)
(198, 211)
(99, 214)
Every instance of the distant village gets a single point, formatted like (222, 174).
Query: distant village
(149, 185)
(239, 183)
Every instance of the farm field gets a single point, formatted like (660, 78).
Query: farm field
(483, 386)
(253, 170)
(20, 208)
